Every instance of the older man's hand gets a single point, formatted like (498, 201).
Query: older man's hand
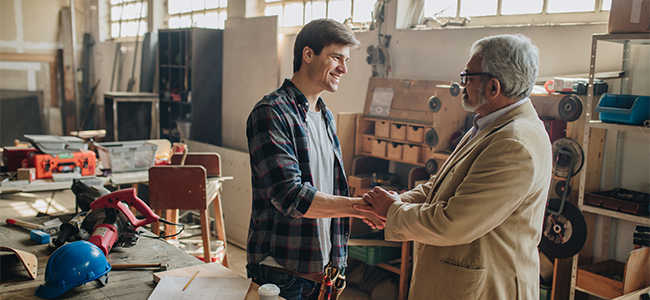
(380, 200)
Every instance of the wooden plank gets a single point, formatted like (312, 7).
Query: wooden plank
(346, 127)
(28, 57)
(636, 274)
(562, 279)
(69, 70)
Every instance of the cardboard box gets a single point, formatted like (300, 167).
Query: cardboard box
(398, 131)
(359, 184)
(629, 16)
(26, 174)
(395, 151)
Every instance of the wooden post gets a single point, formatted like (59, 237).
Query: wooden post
(69, 82)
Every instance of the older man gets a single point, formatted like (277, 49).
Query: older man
(479, 221)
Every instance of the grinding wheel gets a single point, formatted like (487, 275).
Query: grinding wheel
(564, 235)
(560, 186)
(454, 89)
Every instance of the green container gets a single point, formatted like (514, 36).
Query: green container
(545, 292)
(373, 255)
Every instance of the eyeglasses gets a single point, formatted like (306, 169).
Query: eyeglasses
(463, 76)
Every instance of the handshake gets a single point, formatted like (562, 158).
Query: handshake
(374, 207)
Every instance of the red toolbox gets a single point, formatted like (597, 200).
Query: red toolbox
(82, 161)
(13, 157)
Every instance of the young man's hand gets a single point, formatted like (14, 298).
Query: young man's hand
(380, 200)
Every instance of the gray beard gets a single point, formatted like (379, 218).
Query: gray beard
(482, 100)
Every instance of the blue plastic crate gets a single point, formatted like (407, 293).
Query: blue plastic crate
(624, 109)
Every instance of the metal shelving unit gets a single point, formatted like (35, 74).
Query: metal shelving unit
(590, 177)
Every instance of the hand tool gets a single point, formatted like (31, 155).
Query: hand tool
(52, 229)
(164, 265)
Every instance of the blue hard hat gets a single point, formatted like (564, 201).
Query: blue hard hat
(72, 265)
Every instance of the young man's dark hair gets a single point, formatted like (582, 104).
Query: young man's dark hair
(319, 34)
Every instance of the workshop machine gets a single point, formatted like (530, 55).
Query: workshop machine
(109, 222)
(565, 230)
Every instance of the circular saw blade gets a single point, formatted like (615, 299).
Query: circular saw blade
(564, 235)
(566, 151)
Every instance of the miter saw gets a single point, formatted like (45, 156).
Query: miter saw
(109, 222)
(565, 230)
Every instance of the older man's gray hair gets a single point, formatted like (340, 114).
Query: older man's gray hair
(512, 59)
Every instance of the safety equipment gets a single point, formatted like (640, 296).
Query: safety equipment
(72, 265)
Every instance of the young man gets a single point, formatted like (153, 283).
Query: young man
(479, 221)
(299, 220)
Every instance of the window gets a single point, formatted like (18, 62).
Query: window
(128, 18)
(442, 13)
(295, 13)
(197, 13)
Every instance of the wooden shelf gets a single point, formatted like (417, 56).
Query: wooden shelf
(616, 214)
(619, 127)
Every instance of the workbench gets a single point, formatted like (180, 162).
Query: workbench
(40, 185)
(132, 284)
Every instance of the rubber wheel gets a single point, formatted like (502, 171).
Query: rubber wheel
(431, 166)
(434, 104)
(559, 188)
(454, 89)
(570, 108)
(563, 236)
(431, 138)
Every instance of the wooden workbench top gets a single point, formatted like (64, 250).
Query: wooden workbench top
(15, 282)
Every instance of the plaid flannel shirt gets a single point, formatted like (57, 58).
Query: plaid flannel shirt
(282, 185)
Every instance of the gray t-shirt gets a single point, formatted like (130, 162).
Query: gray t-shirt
(321, 162)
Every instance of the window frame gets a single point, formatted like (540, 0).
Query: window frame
(544, 18)
(144, 17)
(355, 26)
(191, 13)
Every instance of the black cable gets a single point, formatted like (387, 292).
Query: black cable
(166, 236)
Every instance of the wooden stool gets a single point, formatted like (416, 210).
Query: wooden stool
(192, 186)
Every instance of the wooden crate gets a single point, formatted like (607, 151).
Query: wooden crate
(398, 131)
(412, 153)
(379, 148)
(415, 134)
(382, 129)
(592, 279)
(394, 151)
(367, 145)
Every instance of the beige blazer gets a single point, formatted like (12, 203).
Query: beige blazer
(479, 221)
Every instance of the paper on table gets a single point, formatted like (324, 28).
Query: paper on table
(201, 288)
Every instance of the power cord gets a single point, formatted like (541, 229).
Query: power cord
(166, 236)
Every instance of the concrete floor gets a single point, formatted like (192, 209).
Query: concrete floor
(21, 205)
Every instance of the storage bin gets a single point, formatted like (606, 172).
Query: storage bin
(379, 148)
(366, 145)
(411, 153)
(127, 156)
(611, 279)
(427, 153)
(414, 134)
(621, 200)
(624, 109)
(395, 150)
(373, 255)
(382, 129)
(398, 131)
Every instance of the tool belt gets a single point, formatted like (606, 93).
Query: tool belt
(332, 281)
